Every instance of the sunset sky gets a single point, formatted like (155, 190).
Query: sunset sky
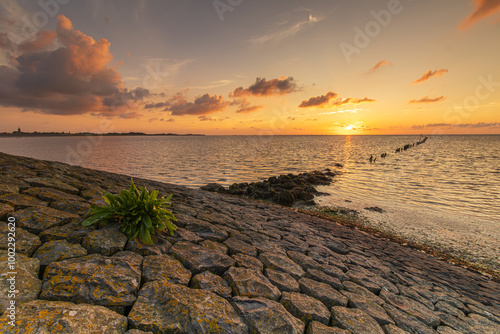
(251, 67)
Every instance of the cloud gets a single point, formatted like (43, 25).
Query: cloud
(263, 87)
(462, 125)
(331, 99)
(429, 99)
(484, 8)
(288, 28)
(430, 74)
(377, 66)
(245, 106)
(202, 105)
(65, 72)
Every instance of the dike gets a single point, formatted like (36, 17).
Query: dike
(235, 265)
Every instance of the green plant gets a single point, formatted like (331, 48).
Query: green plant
(140, 214)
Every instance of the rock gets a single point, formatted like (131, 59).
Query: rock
(316, 327)
(351, 287)
(214, 187)
(136, 331)
(55, 317)
(457, 324)
(163, 307)
(57, 250)
(211, 282)
(236, 246)
(247, 261)
(39, 219)
(26, 242)
(375, 209)
(106, 241)
(320, 276)
(73, 232)
(7, 188)
(5, 210)
(27, 284)
(284, 198)
(197, 258)
(160, 246)
(284, 281)
(484, 311)
(337, 246)
(50, 195)
(78, 208)
(407, 322)
(306, 262)
(266, 316)
(206, 230)
(323, 292)
(19, 201)
(482, 324)
(305, 307)
(393, 329)
(447, 330)
(370, 307)
(156, 267)
(282, 263)
(412, 307)
(413, 294)
(218, 247)
(371, 281)
(95, 279)
(181, 234)
(250, 283)
(354, 320)
(52, 183)
(447, 308)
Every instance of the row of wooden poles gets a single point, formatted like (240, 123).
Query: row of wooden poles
(400, 149)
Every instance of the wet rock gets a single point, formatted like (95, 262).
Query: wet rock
(197, 258)
(95, 279)
(41, 316)
(19, 201)
(50, 194)
(106, 241)
(375, 209)
(211, 282)
(250, 283)
(214, 187)
(160, 246)
(316, 327)
(407, 322)
(282, 263)
(57, 250)
(39, 219)
(266, 316)
(354, 320)
(323, 292)
(26, 242)
(27, 284)
(412, 307)
(163, 307)
(284, 198)
(73, 232)
(283, 281)
(5, 210)
(370, 307)
(156, 267)
(247, 261)
(52, 183)
(236, 246)
(78, 208)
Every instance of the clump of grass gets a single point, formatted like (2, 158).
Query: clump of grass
(140, 213)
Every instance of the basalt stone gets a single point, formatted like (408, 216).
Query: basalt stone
(39, 219)
(156, 267)
(316, 327)
(163, 307)
(214, 187)
(447, 308)
(5, 210)
(19, 201)
(412, 293)
(23, 273)
(337, 246)
(305, 308)
(6, 188)
(251, 283)
(136, 331)
(284, 198)
(95, 279)
(371, 281)
(306, 262)
(457, 324)
(91, 193)
(284, 281)
(73, 232)
(55, 317)
(407, 322)
(57, 250)
(215, 246)
(21, 185)
(487, 312)
(52, 183)
(197, 258)
(447, 330)
(50, 195)
(393, 329)
(370, 307)
(76, 207)
(247, 261)
(355, 321)
(323, 292)
(211, 282)
(237, 246)
(206, 230)
(266, 316)
(282, 263)
(269, 247)
(160, 246)
(482, 324)
(105, 241)
(321, 276)
(26, 242)
(412, 307)
(181, 234)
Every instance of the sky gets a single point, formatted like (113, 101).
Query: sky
(240, 67)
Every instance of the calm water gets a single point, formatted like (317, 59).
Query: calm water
(457, 175)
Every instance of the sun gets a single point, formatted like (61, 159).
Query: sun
(349, 127)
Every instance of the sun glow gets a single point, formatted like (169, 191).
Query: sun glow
(349, 127)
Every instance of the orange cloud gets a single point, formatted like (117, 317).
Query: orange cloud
(331, 99)
(483, 9)
(65, 72)
(430, 74)
(380, 64)
(202, 105)
(263, 87)
(428, 99)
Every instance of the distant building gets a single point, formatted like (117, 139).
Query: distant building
(18, 131)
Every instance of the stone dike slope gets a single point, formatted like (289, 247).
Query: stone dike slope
(234, 266)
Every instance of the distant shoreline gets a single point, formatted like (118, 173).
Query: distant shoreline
(57, 134)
